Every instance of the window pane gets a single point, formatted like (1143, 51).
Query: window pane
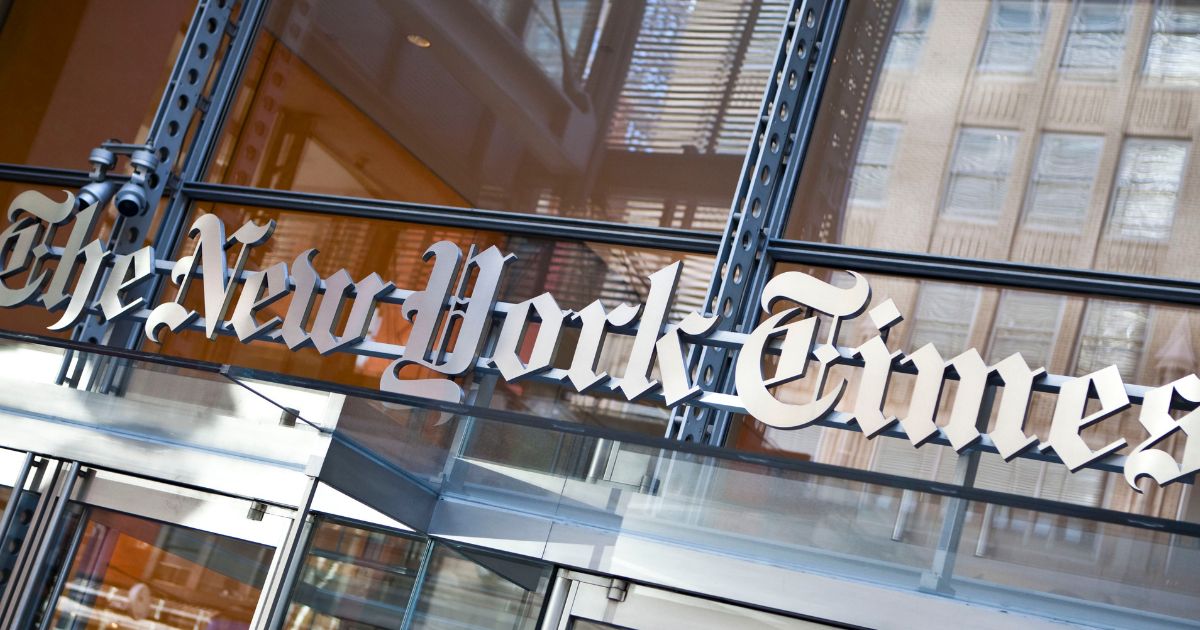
(479, 590)
(909, 34)
(648, 123)
(129, 572)
(943, 317)
(66, 72)
(354, 576)
(1026, 323)
(874, 162)
(1113, 334)
(1174, 49)
(1063, 175)
(979, 175)
(1147, 189)
(1014, 36)
(1095, 39)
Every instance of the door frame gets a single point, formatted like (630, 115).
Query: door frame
(58, 484)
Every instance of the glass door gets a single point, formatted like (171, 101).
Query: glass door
(137, 554)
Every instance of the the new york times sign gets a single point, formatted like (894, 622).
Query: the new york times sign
(86, 278)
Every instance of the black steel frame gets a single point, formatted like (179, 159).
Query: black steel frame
(779, 146)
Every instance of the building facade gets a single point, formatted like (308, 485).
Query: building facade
(583, 314)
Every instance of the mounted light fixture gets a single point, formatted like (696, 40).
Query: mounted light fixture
(132, 199)
(100, 190)
(419, 41)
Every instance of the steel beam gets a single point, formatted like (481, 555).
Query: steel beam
(759, 207)
(546, 226)
(1087, 282)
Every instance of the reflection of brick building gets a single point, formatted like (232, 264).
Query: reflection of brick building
(1063, 140)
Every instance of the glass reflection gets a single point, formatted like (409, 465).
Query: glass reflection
(360, 579)
(1069, 335)
(1006, 556)
(1082, 161)
(354, 578)
(479, 590)
(129, 572)
(62, 98)
(635, 112)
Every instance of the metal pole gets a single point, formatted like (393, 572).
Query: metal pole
(760, 207)
(10, 510)
(43, 489)
(556, 603)
(287, 566)
(937, 579)
(411, 609)
(29, 595)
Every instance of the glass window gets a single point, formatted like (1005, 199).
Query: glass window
(1113, 333)
(626, 112)
(1026, 322)
(1095, 41)
(74, 74)
(364, 578)
(979, 174)
(572, 41)
(354, 577)
(1063, 175)
(129, 572)
(1173, 54)
(475, 589)
(943, 317)
(874, 161)
(966, 136)
(908, 35)
(1147, 189)
(1014, 36)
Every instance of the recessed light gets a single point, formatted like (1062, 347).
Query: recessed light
(419, 41)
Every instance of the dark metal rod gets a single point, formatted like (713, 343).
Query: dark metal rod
(10, 510)
(292, 554)
(69, 178)
(28, 601)
(1087, 282)
(557, 227)
(415, 595)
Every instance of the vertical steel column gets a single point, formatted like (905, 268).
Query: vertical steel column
(26, 594)
(418, 583)
(764, 193)
(954, 516)
(41, 487)
(274, 605)
(184, 98)
(12, 532)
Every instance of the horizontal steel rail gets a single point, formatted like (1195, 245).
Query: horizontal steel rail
(997, 272)
(1015, 275)
(549, 226)
(46, 176)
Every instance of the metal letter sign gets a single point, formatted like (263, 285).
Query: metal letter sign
(797, 308)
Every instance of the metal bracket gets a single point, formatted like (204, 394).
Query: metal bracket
(764, 192)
